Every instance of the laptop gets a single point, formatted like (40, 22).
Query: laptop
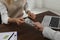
(51, 21)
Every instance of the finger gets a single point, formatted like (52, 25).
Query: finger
(32, 16)
(37, 28)
(35, 23)
(29, 15)
(21, 21)
(18, 23)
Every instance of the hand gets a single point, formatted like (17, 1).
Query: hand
(19, 20)
(16, 20)
(32, 15)
(38, 26)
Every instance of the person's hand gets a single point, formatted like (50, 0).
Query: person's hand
(19, 20)
(32, 15)
(38, 26)
(16, 20)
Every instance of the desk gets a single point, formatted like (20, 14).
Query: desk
(27, 32)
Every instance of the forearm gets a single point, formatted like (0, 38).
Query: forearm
(11, 20)
(48, 32)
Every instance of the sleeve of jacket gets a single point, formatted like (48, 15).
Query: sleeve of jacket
(51, 34)
(3, 12)
(27, 7)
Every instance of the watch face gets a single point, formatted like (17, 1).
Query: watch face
(29, 21)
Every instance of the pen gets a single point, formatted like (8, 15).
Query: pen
(25, 17)
(11, 36)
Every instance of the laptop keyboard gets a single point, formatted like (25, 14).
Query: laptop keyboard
(54, 22)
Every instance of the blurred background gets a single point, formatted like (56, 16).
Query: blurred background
(38, 6)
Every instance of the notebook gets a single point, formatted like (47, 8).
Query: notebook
(51, 21)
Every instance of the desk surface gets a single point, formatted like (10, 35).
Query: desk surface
(27, 32)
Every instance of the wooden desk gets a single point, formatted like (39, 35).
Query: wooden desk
(27, 32)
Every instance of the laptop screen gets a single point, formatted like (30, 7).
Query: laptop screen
(54, 22)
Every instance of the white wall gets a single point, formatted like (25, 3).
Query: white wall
(52, 4)
(38, 3)
(31, 4)
(36, 6)
(35, 3)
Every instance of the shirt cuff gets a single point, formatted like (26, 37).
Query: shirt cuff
(5, 20)
(48, 33)
(28, 9)
(24, 14)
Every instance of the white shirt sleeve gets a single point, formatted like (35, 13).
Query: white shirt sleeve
(27, 6)
(24, 14)
(4, 15)
(51, 34)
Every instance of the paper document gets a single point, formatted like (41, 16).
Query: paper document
(8, 36)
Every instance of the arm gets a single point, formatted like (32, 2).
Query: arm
(28, 11)
(51, 34)
(4, 15)
(27, 8)
(48, 32)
